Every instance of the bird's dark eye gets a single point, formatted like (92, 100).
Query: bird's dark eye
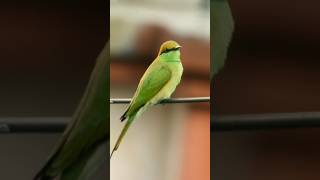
(171, 49)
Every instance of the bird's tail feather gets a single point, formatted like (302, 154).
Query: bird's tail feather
(123, 133)
(124, 116)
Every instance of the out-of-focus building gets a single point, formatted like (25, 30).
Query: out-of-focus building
(168, 141)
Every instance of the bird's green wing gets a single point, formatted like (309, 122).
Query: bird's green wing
(155, 78)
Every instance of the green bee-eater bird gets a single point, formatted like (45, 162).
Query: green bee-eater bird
(83, 146)
(158, 83)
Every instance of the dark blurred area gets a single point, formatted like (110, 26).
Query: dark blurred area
(47, 52)
(272, 67)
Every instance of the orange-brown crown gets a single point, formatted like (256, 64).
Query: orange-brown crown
(168, 46)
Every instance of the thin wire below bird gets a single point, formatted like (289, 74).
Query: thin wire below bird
(166, 101)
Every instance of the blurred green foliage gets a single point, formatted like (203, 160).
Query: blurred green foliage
(89, 163)
(221, 31)
(83, 148)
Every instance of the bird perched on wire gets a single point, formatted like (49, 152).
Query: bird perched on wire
(157, 83)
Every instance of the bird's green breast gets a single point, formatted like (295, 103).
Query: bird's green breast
(172, 61)
(172, 56)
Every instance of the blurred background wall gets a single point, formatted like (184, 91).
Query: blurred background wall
(47, 52)
(168, 141)
(273, 66)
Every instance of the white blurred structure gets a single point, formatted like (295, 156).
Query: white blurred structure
(183, 17)
(152, 147)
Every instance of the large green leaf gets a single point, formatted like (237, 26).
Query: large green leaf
(86, 166)
(221, 24)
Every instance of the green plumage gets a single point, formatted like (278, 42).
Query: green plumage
(155, 78)
(158, 83)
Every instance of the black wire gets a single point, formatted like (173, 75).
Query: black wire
(33, 124)
(218, 123)
(166, 101)
(266, 121)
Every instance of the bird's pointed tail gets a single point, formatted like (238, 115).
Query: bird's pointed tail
(123, 133)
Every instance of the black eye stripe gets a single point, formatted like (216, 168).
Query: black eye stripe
(168, 50)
